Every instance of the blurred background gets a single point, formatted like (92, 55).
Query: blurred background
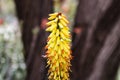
(95, 30)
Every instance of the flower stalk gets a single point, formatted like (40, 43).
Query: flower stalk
(58, 51)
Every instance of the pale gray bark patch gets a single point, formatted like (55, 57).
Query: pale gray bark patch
(105, 52)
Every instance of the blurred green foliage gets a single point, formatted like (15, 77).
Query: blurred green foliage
(118, 74)
(12, 66)
(7, 8)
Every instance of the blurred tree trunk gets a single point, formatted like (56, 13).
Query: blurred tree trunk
(33, 14)
(96, 40)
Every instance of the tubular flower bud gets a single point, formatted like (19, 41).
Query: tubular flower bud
(58, 51)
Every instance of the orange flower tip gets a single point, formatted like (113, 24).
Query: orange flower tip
(62, 51)
(48, 51)
(44, 56)
(71, 57)
(46, 47)
(48, 39)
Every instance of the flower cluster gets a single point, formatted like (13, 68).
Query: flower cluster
(58, 47)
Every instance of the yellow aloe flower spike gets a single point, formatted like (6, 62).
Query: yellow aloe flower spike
(58, 51)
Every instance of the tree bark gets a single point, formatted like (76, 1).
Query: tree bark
(99, 21)
(32, 13)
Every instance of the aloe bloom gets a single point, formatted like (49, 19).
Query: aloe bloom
(58, 47)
